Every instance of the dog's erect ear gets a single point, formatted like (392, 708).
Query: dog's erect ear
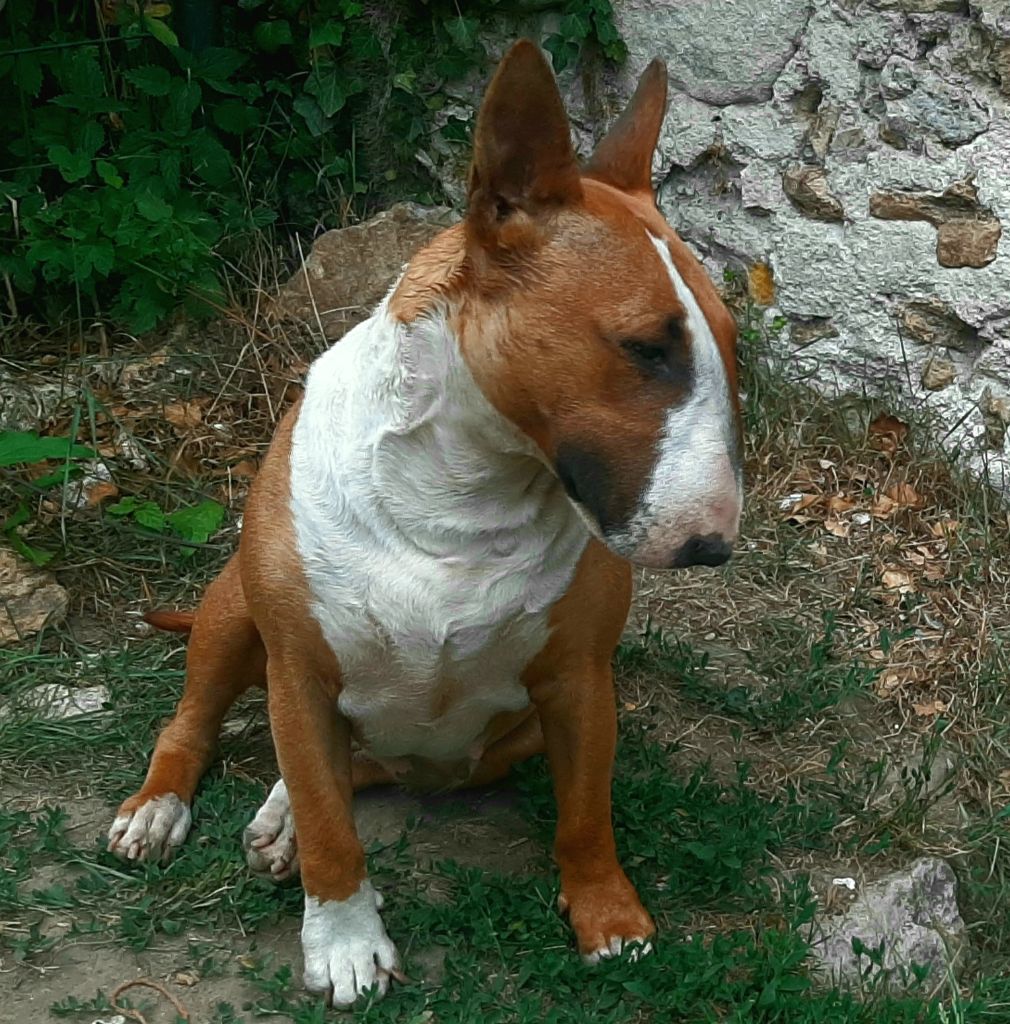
(523, 159)
(624, 156)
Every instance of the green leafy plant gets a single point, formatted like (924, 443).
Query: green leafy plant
(195, 525)
(18, 447)
(25, 448)
(136, 159)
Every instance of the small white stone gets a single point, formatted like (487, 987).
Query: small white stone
(54, 700)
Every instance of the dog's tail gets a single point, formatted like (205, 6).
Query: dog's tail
(171, 621)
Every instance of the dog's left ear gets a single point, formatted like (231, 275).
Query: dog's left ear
(523, 161)
(624, 156)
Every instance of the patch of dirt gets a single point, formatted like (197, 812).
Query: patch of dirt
(79, 969)
(861, 533)
(478, 828)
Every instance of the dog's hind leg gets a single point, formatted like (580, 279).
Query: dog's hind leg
(225, 658)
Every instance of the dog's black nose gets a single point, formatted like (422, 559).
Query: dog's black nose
(708, 550)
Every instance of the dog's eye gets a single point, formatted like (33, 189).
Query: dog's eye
(652, 358)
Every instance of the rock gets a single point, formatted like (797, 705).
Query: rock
(822, 130)
(939, 108)
(907, 101)
(53, 700)
(30, 599)
(968, 233)
(938, 374)
(897, 79)
(349, 270)
(808, 188)
(912, 912)
(932, 322)
(720, 51)
(760, 187)
(968, 243)
(803, 332)
(995, 417)
(919, 6)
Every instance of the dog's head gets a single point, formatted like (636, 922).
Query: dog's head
(587, 321)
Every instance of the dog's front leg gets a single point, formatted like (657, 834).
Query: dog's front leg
(344, 941)
(580, 733)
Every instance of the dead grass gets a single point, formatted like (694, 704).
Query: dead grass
(853, 651)
(853, 515)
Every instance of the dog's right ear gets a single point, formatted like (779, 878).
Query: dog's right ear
(523, 160)
(624, 156)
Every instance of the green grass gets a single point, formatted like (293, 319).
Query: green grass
(728, 769)
(802, 675)
(701, 851)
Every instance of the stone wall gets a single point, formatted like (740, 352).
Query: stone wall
(860, 151)
(856, 154)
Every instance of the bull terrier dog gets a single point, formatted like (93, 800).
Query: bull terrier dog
(435, 563)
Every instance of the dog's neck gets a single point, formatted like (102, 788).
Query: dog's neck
(400, 429)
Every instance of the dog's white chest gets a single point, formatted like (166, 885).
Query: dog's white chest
(426, 681)
(434, 544)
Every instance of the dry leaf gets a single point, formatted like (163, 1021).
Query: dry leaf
(101, 491)
(185, 462)
(897, 579)
(944, 529)
(930, 708)
(888, 432)
(838, 504)
(836, 527)
(905, 495)
(800, 520)
(935, 571)
(882, 507)
(184, 416)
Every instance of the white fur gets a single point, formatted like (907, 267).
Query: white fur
(269, 839)
(346, 948)
(434, 538)
(695, 489)
(153, 831)
(639, 947)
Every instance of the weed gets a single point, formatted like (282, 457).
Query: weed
(145, 144)
(195, 525)
(802, 676)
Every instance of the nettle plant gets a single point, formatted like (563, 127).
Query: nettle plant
(142, 146)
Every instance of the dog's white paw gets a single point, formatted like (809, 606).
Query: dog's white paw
(153, 831)
(636, 949)
(347, 951)
(269, 839)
